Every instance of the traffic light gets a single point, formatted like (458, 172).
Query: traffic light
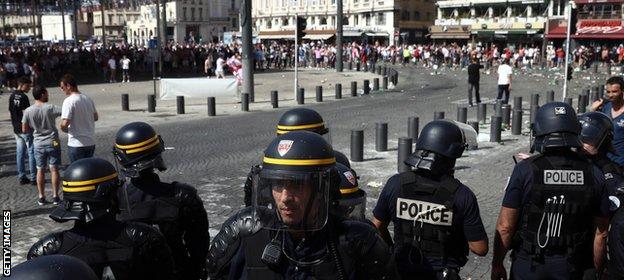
(301, 27)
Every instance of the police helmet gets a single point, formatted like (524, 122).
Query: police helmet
(138, 148)
(596, 130)
(440, 143)
(295, 180)
(301, 119)
(351, 203)
(89, 187)
(53, 267)
(342, 159)
(556, 126)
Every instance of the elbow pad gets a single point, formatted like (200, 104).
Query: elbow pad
(48, 245)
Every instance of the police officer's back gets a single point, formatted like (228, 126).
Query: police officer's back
(436, 218)
(109, 247)
(551, 205)
(174, 208)
(52, 267)
(288, 233)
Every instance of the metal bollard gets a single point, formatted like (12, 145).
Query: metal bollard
(495, 129)
(550, 96)
(381, 137)
(535, 99)
(498, 110)
(301, 96)
(125, 102)
(517, 105)
(595, 94)
(353, 89)
(245, 102)
(475, 125)
(384, 83)
(366, 87)
(438, 115)
(534, 109)
(376, 84)
(516, 126)
(151, 103)
(481, 112)
(350, 66)
(338, 91)
(180, 104)
(405, 150)
(212, 106)
(319, 93)
(274, 99)
(384, 71)
(601, 91)
(462, 114)
(412, 128)
(379, 70)
(365, 67)
(357, 66)
(506, 110)
(357, 145)
(582, 106)
(568, 100)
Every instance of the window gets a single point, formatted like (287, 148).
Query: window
(367, 19)
(381, 18)
(323, 21)
(201, 13)
(234, 22)
(183, 13)
(428, 16)
(405, 15)
(192, 13)
(416, 15)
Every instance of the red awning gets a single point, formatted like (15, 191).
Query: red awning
(557, 32)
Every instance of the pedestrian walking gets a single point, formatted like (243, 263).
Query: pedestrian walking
(125, 69)
(112, 66)
(79, 116)
(504, 81)
(40, 120)
(473, 80)
(18, 102)
(208, 66)
(219, 68)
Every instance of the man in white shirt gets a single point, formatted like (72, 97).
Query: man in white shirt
(504, 81)
(112, 65)
(79, 117)
(125, 69)
(219, 67)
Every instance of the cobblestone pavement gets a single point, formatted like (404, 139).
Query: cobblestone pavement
(215, 154)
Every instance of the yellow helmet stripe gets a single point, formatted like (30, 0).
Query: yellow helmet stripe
(133, 151)
(349, 191)
(299, 162)
(300, 127)
(90, 182)
(280, 132)
(132, 146)
(79, 189)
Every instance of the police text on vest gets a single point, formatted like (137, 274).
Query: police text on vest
(431, 213)
(564, 177)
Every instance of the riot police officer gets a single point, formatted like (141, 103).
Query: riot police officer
(436, 217)
(289, 232)
(552, 204)
(297, 119)
(174, 208)
(53, 267)
(615, 244)
(111, 248)
(351, 202)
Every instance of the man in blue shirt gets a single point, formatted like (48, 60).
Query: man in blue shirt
(612, 104)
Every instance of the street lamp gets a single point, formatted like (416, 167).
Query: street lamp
(571, 6)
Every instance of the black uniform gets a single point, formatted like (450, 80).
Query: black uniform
(177, 211)
(53, 267)
(615, 243)
(18, 102)
(127, 250)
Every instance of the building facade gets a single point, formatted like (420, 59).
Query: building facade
(384, 21)
(115, 21)
(595, 23)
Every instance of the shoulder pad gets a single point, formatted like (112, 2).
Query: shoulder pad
(48, 245)
(184, 192)
(140, 232)
(354, 229)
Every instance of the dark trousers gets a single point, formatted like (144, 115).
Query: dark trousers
(503, 90)
(474, 86)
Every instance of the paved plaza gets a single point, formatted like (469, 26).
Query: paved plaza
(215, 153)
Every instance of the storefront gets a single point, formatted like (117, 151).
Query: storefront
(453, 33)
(530, 33)
(599, 24)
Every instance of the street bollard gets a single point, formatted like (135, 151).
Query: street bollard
(357, 66)
(151, 103)
(474, 125)
(582, 104)
(384, 83)
(412, 128)
(516, 126)
(180, 104)
(357, 145)
(381, 137)
(366, 87)
(498, 110)
(354, 89)
(319, 93)
(495, 129)
(384, 71)
(462, 114)
(568, 100)
(481, 112)
(517, 105)
(338, 91)
(550, 96)
(506, 110)
(601, 91)
(274, 99)
(535, 99)
(350, 66)
(301, 96)
(365, 67)
(534, 109)
(212, 106)
(245, 102)
(125, 102)
(376, 84)
(405, 150)
(379, 70)
(438, 115)
(595, 94)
